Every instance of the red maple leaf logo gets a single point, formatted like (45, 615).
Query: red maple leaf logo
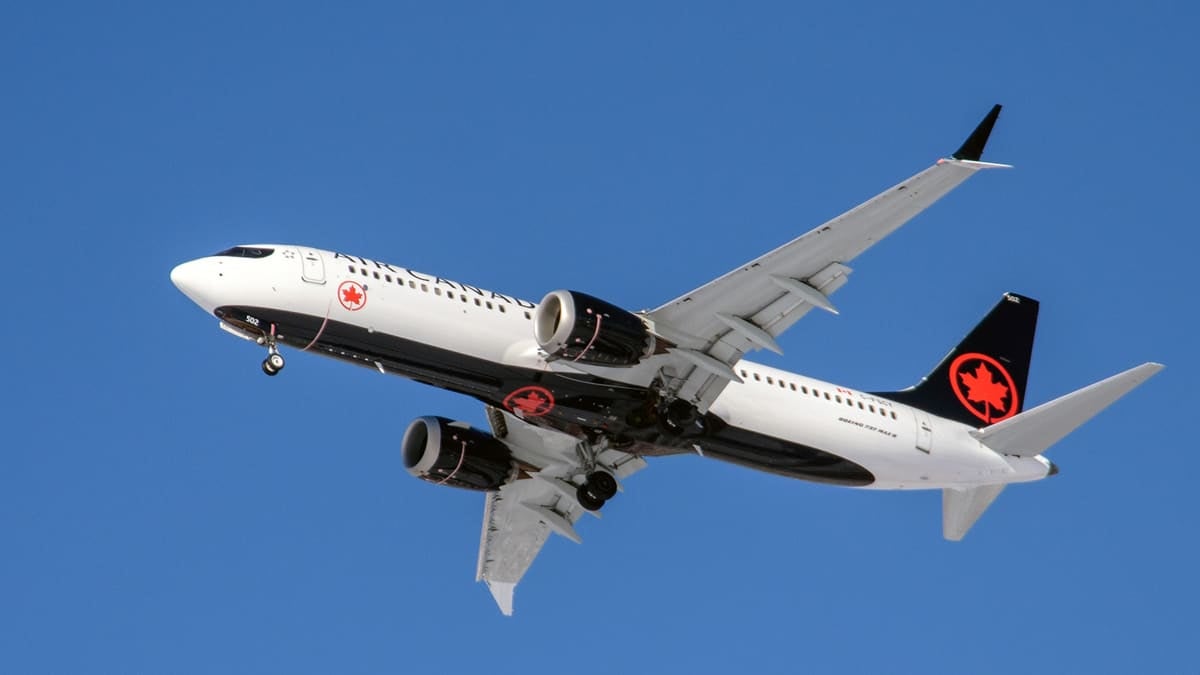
(532, 402)
(982, 388)
(351, 295)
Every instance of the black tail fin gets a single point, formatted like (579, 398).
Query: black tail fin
(982, 381)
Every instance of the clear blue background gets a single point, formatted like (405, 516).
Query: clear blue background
(166, 508)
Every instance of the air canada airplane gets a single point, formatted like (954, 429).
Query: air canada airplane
(579, 392)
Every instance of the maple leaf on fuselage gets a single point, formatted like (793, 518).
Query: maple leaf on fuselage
(532, 402)
(981, 388)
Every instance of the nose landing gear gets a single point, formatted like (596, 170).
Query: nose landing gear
(274, 361)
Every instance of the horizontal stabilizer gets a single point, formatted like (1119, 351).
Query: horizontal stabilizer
(961, 508)
(1031, 432)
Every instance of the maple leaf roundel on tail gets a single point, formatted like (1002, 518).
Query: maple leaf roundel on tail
(984, 387)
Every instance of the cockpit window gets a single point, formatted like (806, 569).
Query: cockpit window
(247, 252)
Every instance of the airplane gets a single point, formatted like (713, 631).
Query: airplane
(579, 393)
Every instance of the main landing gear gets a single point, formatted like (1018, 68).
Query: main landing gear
(599, 487)
(274, 361)
(680, 419)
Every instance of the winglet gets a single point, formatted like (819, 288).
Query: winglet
(972, 148)
(502, 591)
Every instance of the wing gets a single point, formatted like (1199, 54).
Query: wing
(519, 517)
(715, 325)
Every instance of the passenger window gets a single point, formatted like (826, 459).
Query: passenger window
(744, 374)
(826, 395)
(757, 378)
(489, 305)
(501, 308)
(424, 288)
(783, 386)
(872, 408)
(437, 290)
(412, 284)
(477, 303)
(769, 380)
(893, 414)
(793, 386)
(377, 275)
(387, 278)
(860, 405)
(838, 399)
(364, 272)
(462, 297)
(804, 389)
(351, 268)
(527, 315)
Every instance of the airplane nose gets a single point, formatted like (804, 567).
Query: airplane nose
(194, 279)
(185, 277)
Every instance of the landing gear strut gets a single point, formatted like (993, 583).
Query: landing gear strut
(274, 361)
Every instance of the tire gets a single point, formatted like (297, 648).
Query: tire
(588, 500)
(275, 361)
(266, 368)
(602, 484)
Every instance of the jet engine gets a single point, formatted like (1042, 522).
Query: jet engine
(446, 452)
(575, 326)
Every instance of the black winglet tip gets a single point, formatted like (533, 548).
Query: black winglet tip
(972, 148)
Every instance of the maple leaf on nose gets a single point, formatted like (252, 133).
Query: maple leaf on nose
(981, 388)
(351, 295)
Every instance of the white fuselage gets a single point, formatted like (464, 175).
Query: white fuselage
(903, 447)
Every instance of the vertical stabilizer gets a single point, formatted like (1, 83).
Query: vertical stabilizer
(982, 380)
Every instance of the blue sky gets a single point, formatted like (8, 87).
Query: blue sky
(166, 508)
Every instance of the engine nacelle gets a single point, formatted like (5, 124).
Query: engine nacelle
(575, 326)
(445, 452)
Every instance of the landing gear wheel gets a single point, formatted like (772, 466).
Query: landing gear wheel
(602, 484)
(588, 500)
(274, 361)
(678, 417)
